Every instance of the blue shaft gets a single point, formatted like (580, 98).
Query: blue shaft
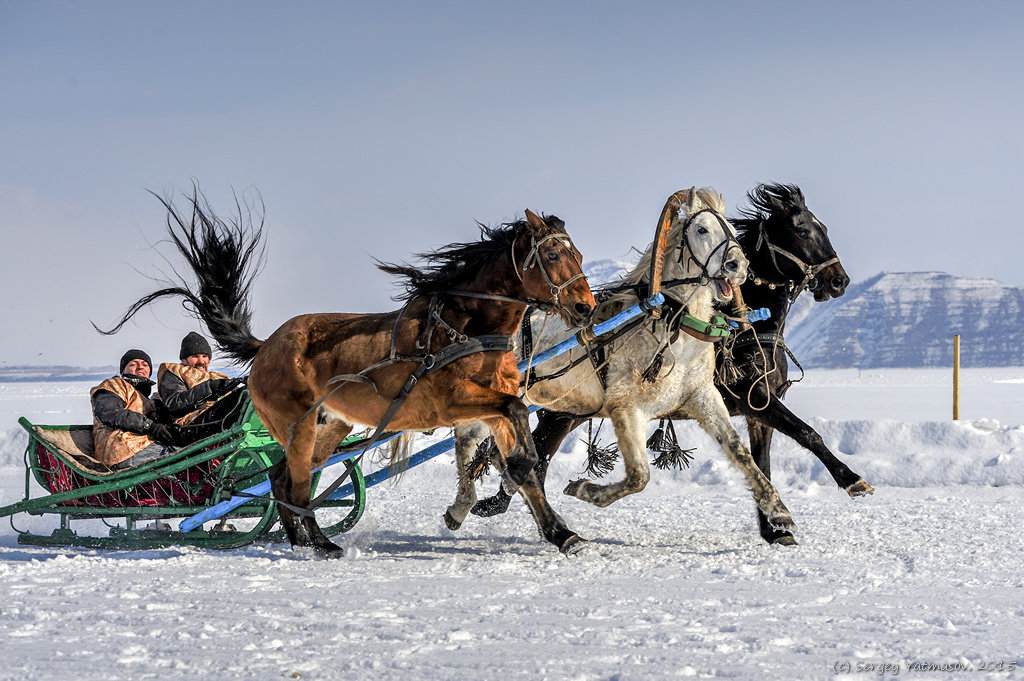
(228, 505)
(224, 507)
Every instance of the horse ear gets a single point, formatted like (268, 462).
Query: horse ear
(533, 220)
(691, 199)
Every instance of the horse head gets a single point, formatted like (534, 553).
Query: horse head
(793, 243)
(707, 247)
(551, 269)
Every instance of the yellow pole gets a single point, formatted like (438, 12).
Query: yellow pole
(956, 377)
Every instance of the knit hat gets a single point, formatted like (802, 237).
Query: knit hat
(134, 354)
(194, 344)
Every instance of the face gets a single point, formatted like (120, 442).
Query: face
(137, 367)
(811, 244)
(712, 244)
(200, 361)
(557, 262)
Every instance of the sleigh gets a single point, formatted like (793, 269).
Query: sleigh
(137, 503)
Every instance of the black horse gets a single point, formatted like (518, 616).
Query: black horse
(789, 252)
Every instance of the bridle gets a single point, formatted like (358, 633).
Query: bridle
(810, 272)
(684, 247)
(533, 259)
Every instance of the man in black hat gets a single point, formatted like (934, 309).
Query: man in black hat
(202, 402)
(126, 429)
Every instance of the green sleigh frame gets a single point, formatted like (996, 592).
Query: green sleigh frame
(75, 487)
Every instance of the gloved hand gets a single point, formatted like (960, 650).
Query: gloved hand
(166, 434)
(217, 386)
(235, 383)
(222, 386)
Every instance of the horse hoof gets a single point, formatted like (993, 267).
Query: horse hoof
(495, 505)
(781, 522)
(574, 487)
(860, 489)
(329, 551)
(784, 540)
(451, 522)
(573, 545)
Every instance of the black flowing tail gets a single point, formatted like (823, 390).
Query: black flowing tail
(225, 258)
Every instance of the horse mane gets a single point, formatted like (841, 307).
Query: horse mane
(764, 200)
(704, 198)
(458, 263)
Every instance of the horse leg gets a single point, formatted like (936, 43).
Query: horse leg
(552, 428)
(551, 525)
(630, 429)
(778, 416)
(511, 431)
(467, 439)
(294, 485)
(280, 483)
(760, 449)
(714, 419)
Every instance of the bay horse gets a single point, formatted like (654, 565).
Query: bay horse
(789, 252)
(652, 371)
(443, 359)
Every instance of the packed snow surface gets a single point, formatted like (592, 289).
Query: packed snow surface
(924, 578)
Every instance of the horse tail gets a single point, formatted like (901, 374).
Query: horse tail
(225, 258)
(399, 454)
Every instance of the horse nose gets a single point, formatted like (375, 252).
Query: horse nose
(732, 265)
(839, 282)
(583, 311)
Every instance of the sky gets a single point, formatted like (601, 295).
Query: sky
(386, 129)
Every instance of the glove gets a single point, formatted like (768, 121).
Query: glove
(217, 386)
(166, 434)
(235, 383)
(222, 386)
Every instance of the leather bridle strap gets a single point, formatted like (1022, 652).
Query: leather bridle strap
(810, 272)
(533, 258)
(729, 238)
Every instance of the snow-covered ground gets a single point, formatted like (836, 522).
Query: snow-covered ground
(926, 574)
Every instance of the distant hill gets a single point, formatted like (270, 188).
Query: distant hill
(908, 319)
(604, 271)
(55, 373)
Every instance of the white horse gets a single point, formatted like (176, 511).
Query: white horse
(652, 370)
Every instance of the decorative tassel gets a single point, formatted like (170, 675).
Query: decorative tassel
(729, 371)
(650, 374)
(656, 441)
(670, 454)
(480, 464)
(600, 460)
